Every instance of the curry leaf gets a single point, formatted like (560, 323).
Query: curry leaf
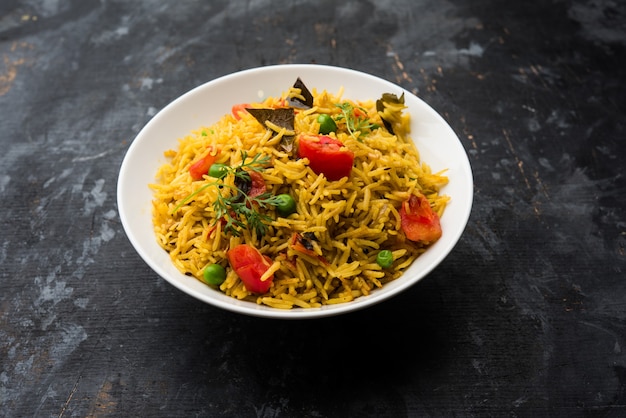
(306, 101)
(282, 117)
(389, 107)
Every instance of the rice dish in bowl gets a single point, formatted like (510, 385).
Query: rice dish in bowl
(346, 208)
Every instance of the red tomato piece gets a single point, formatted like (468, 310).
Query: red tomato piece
(201, 167)
(257, 186)
(250, 265)
(358, 113)
(239, 108)
(419, 222)
(303, 245)
(298, 243)
(326, 155)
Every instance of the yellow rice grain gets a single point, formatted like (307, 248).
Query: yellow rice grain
(351, 219)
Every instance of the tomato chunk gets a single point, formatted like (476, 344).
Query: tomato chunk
(201, 167)
(326, 155)
(303, 245)
(257, 185)
(419, 222)
(250, 265)
(236, 109)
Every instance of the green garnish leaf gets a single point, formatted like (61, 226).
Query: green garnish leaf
(233, 205)
(355, 119)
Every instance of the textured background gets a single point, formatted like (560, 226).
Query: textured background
(527, 316)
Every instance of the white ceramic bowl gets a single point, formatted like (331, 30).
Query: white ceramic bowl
(436, 141)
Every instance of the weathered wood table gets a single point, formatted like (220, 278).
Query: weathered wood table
(526, 317)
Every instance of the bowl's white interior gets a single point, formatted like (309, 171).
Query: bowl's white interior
(436, 141)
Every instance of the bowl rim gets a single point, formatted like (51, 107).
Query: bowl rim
(228, 303)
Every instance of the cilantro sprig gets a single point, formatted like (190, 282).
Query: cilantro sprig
(239, 211)
(236, 208)
(355, 118)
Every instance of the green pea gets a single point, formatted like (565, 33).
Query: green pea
(214, 274)
(285, 205)
(327, 124)
(384, 259)
(218, 170)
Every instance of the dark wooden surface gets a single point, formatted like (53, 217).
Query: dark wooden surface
(526, 317)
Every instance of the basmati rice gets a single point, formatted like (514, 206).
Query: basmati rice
(349, 220)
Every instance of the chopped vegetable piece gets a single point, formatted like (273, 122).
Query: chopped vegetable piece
(201, 167)
(218, 170)
(419, 222)
(257, 184)
(285, 205)
(214, 274)
(326, 155)
(304, 244)
(238, 108)
(249, 183)
(250, 265)
(327, 124)
(384, 259)
(355, 119)
(238, 210)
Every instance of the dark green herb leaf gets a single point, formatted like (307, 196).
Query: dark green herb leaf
(355, 121)
(233, 205)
